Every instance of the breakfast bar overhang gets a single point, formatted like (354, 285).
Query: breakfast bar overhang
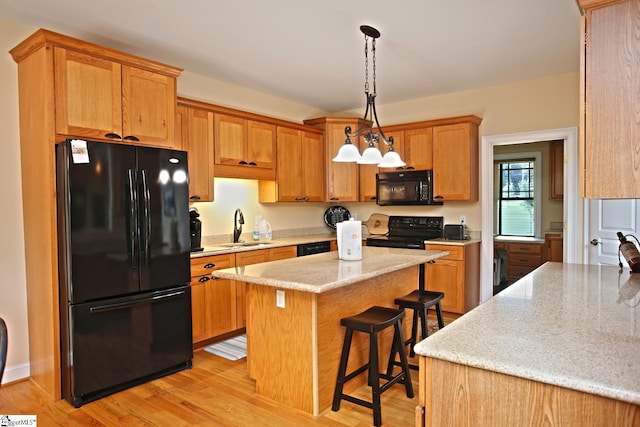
(294, 307)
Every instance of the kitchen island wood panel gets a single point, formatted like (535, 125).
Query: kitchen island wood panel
(558, 347)
(294, 351)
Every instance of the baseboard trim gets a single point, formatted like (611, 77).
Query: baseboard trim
(15, 373)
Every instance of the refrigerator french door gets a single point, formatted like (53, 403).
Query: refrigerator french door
(124, 245)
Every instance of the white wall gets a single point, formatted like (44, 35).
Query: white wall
(533, 105)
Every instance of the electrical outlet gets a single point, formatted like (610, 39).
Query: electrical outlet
(279, 298)
(463, 219)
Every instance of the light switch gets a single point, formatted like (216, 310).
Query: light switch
(279, 298)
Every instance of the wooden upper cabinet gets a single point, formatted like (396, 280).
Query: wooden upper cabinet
(609, 126)
(230, 139)
(367, 175)
(148, 106)
(97, 98)
(455, 161)
(300, 173)
(194, 132)
(341, 179)
(244, 148)
(88, 93)
(418, 148)
(556, 170)
(261, 144)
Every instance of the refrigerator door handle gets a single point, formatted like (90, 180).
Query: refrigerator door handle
(133, 218)
(146, 209)
(127, 304)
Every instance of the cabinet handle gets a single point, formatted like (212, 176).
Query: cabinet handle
(253, 164)
(242, 162)
(410, 168)
(112, 135)
(194, 198)
(131, 138)
(305, 198)
(373, 198)
(203, 279)
(209, 265)
(334, 198)
(438, 198)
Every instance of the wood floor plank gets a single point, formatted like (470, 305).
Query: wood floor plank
(215, 391)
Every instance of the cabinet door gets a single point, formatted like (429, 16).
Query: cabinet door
(418, 148)
(261, 144)
(342, 178)
(556, 170)
(87, 95)
(200, 148)
(367, 176)
(221, 300)
(148, 107)
(447, 276)
(290, 168)
(611, 65)
(455, 162)
(313, 166)
(284, 252)
(230, 140)
(199, 309)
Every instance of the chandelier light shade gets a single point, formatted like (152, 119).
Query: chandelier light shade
(371, 155)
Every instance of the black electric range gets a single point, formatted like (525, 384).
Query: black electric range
(409, 232)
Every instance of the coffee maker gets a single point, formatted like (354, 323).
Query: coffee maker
(195, 226)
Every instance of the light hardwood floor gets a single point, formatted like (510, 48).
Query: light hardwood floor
(215, 391)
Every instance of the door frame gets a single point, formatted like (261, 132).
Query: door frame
(573, 210)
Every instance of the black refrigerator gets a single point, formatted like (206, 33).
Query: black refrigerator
(124, 272)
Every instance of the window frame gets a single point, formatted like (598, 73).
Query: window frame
(537, 185)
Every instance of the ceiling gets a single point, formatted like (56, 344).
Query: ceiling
(313, 52)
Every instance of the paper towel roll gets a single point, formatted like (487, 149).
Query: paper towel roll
(349, 237)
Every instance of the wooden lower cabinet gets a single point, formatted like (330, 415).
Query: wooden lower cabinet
(457, 275)
(553, 247)
(523, 258)
(213, 301)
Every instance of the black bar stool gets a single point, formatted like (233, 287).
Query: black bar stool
(372, 321)
(420, 301)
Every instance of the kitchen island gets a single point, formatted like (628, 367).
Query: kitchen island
(558, 347)
(294, 307)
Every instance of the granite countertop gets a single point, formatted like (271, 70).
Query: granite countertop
(464, 242)
(323, 272)
(218, 249)
(571, 325)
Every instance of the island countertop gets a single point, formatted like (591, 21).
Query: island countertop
(324, 272)
(569, 325)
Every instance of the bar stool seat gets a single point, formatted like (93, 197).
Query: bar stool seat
(372, 321)
(420, 301)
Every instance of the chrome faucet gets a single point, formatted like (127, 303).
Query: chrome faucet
(237, 225)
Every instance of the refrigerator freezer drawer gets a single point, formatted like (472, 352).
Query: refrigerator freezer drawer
(121, 342)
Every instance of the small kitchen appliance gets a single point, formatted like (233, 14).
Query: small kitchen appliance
(455, 232)
(406, 188)
(195, 228)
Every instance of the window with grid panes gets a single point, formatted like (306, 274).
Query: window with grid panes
(516, 198)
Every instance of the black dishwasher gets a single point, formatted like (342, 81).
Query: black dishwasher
(313, 248)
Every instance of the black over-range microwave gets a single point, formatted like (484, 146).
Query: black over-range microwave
(405, 188)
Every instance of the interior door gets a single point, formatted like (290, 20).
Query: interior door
(606, 218)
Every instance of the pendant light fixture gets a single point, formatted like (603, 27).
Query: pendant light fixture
(371, 155)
